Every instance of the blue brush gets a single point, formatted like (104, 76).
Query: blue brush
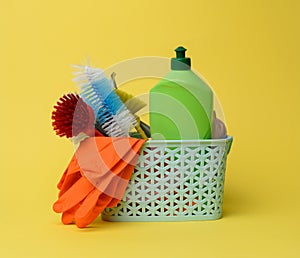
(98, 92)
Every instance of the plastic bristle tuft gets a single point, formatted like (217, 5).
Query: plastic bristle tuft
(70, 116)
(98, 92)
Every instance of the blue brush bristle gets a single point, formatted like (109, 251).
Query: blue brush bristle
(97, 91)
(100, 93)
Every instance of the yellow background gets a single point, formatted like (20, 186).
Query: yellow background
(247, 50)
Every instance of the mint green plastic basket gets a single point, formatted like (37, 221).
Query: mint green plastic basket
(175, 181)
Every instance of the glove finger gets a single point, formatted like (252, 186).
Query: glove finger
(68, 182)
(62, 180)
(126, 174)
(72, 167)
(113, 203)
(88, 204)
(93, 214)
(74, 195)
(68, 217)
(118, 186)
(121, 188)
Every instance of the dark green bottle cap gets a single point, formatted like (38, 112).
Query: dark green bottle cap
(180, 62)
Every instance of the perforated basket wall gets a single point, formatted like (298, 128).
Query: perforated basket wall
(175, 180)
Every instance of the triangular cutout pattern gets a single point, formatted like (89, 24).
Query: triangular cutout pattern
(175, 183)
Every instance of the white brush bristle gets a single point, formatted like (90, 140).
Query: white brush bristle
(118, 124)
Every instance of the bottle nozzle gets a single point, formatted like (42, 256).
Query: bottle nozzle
(180, 62)
(180, 52)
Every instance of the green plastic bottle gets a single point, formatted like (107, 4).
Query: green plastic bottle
(181, 104)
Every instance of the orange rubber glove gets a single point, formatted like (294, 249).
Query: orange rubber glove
(104, 201)
(96, 178)
(102, 166)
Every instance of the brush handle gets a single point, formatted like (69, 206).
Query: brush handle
(141, 132)
(146, 128)
(139, 129)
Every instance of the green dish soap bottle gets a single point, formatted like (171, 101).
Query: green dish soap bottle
(181, 104)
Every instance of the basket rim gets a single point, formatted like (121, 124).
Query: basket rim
(192, 141)
(195, 142)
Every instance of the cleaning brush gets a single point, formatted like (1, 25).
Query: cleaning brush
(110, 112)
(134, 105)
(72, 116)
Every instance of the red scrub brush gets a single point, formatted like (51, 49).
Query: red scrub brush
(72, 116)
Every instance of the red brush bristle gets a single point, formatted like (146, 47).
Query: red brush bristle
(71, 116)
